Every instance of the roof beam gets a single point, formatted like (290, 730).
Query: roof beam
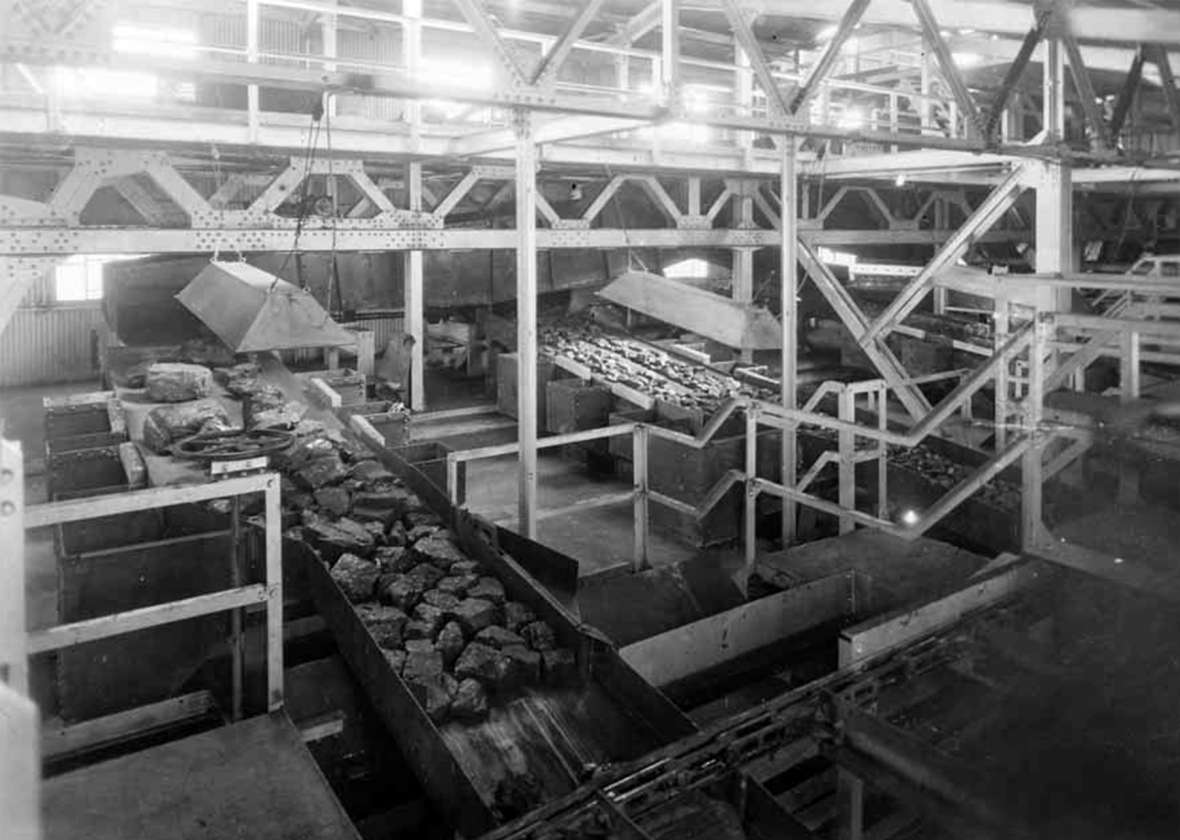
(1090, 21)
(753, 50)
(1085, 89)
(1168, 80)
(1122, 106)
(639, 25)
(1015, 71)
(558, 53)
(486, 31)
(552, 131)
(819, 72)
(946, 63)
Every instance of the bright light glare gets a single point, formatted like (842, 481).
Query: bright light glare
(475, 78)
(686, 132)
(900, 180)
(852, 119)
(92, 82)
(692, 268)
(696, 100)
(826, 34)
(163, 41)
(830, 257)
(966, 59)
(910, 517)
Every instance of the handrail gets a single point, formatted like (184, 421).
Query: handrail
(270, 593)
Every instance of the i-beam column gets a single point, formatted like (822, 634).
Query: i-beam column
(414, 297)
(526, 323)
(788, 269)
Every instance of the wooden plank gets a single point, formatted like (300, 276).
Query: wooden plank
(713, 641)
(903, 626)
(62, 739)
(254, 779)
(80, 632)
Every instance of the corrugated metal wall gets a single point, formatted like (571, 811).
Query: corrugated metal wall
(47, 344)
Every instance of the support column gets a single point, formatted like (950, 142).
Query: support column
(412, 52)
(252, 26)
(526, 323)
(14, 660)
(743, 258)
(415, 303)
(789, 306)
(1054, 222)
(1031, 518)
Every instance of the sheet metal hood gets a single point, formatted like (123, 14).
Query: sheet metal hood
(738, 325)
(253, 311)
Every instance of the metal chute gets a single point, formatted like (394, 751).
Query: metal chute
(252, 311)
(739, 325)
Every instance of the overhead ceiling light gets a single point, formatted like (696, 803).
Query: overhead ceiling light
(852, 119)
(826, 34)
(169, 41)
(900, 180)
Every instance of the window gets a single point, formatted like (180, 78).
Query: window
(1143, 268)
(79, 278)
(1170, 269)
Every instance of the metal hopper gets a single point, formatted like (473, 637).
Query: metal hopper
(739, 325)
(253, 311)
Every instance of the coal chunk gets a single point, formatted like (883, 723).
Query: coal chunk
(428, 573)
(176, 382)
(418, 516)
(397, 534)
(385, 623)
(332, 539)
(465, 567)
(322, 471)
(480, 662)
(382, 518)
(393, 558)
(403, 592)
(498, 637)
(471, 702)
(488, 589)
(433, 693)
(355, 576)
(474, 615)
(421, 532)
(369, 470)
(516, 615)
(450, 642)
(439, 551)
(457, 584)
(519, 667)
(422, 665)
(430, 618)
(539, 636)
(396, 659)
(333, 500)
(559, 666)
(443, 600)
(166, 424)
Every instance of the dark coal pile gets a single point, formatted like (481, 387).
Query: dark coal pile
(645, 368)
(444, 620)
